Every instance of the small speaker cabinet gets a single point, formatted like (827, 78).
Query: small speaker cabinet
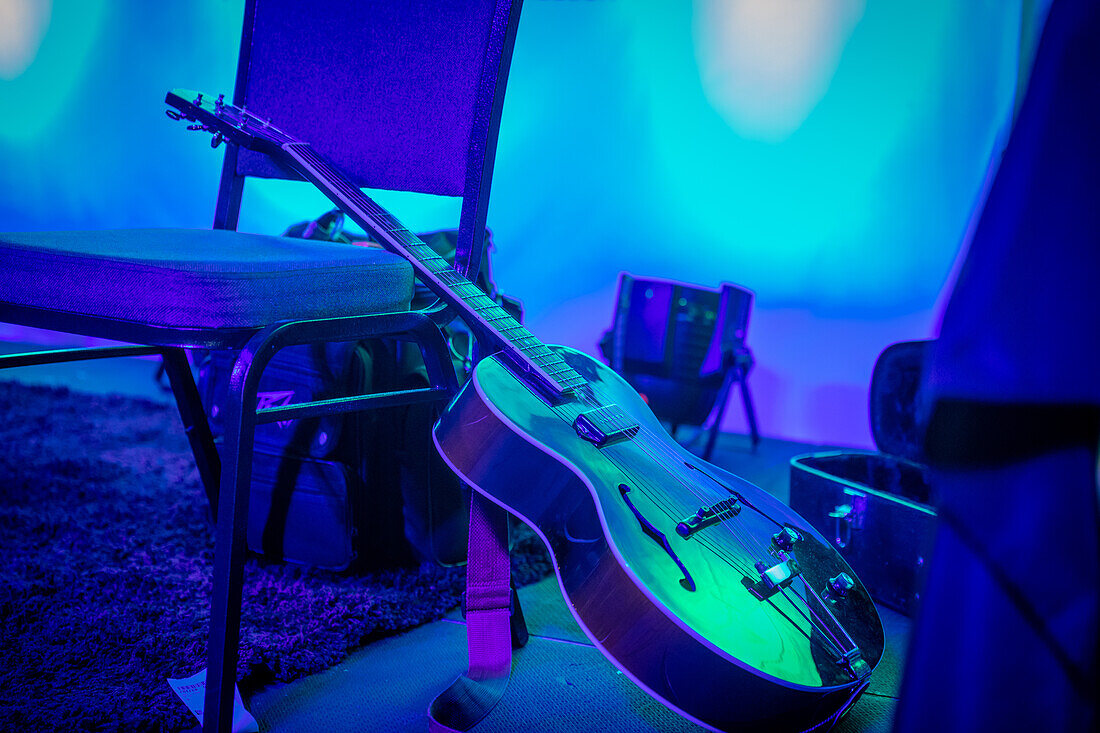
(682, 347)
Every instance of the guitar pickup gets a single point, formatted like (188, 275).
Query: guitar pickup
(773, 578)
(706, 516)
(605, 425)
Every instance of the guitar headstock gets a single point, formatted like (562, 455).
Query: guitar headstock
(225, 121)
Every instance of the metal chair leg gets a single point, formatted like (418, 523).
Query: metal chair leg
(195, 424)
(435, 354)
(230, 536)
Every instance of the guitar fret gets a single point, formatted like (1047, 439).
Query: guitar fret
(445, 273)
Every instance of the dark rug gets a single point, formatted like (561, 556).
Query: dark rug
(105, 584)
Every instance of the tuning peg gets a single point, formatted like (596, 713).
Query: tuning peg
(217, 140)
(198, 127)
(173, 114)
(786, 538)
(838, 587)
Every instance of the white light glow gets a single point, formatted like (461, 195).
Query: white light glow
(23, 24)
(765, 64)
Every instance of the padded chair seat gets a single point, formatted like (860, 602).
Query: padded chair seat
(199, 278)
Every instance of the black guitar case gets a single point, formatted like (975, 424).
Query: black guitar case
(875, 506)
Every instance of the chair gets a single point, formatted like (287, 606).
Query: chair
(406, 97)
(683, 348)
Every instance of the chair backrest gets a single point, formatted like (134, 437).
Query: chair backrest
(401, 94)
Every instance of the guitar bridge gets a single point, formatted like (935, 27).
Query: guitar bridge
(773, 578)
(706, 516)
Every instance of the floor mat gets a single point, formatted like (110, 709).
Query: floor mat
(106, 587)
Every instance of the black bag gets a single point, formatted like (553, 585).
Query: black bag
(306, 503)
(362, 490)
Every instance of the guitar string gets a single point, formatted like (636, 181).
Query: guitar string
(736, 563)
(822, 641)
(813, 620)
(592, 399)
(660, 444)
(666, 503)
(811, 617)
(807, 589)
(716, 548)
(810, 614)
(820, 621)
(674, 514)
(653, 442)
(826, 639)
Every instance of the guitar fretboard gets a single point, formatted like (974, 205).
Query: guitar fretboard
(456, 289)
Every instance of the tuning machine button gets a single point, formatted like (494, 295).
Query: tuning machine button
(838, 587)
(786, 538)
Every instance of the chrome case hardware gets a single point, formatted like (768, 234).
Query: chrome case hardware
(847, 517)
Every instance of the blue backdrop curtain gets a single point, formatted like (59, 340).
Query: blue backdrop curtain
(826, 155)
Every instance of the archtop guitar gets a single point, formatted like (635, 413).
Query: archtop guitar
(705, 590)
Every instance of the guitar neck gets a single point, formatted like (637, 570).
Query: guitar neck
(537, 364)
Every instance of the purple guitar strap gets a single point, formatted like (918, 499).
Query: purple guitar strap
(494, 624)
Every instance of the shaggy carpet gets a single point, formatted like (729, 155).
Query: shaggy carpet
(105, 586)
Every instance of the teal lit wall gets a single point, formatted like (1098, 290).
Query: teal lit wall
(826, 155)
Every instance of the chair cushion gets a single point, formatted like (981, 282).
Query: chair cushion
(198, 278)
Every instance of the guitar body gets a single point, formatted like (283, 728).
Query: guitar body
(675, 613)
